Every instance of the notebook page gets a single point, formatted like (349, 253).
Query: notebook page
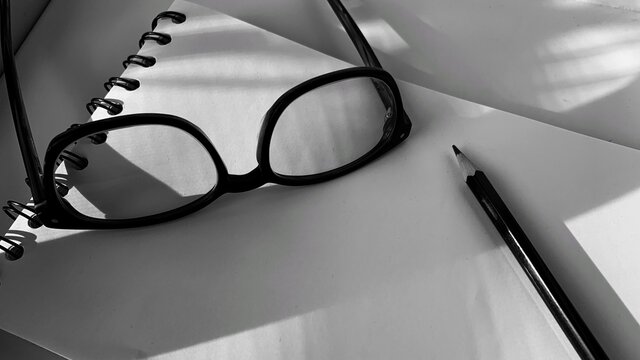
(394, 260)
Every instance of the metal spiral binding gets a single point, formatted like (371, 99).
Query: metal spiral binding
(13, 209)
(76, 161)
(125, 83)
(115, 107)
(144, 61)
(160, 38)
(96, 139)
(12, 252)
(176, 17)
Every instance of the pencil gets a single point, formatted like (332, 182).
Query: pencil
(552, 294)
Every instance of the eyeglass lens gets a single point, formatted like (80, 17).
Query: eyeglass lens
(138, 171)
(330, 127)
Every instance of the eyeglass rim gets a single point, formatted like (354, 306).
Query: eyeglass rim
(399, 133)
(55, 213)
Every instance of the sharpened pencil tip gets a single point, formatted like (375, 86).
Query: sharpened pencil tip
(465, 164)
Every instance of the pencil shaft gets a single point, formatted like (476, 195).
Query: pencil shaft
(552, 294)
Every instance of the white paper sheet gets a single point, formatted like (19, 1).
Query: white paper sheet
(393, 261)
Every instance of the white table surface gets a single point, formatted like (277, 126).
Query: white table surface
(599, 174)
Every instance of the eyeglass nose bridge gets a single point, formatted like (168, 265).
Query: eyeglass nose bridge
(249, 181)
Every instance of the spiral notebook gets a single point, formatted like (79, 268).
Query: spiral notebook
(393, 261)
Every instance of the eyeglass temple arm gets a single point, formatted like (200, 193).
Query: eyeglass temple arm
(358, 39)
(364, 49)
(20, 120)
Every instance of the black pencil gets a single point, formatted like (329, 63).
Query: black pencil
(557, 301)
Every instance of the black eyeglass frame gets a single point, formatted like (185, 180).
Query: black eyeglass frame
(53, 211)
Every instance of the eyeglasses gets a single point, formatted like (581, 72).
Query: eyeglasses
(142, 169)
